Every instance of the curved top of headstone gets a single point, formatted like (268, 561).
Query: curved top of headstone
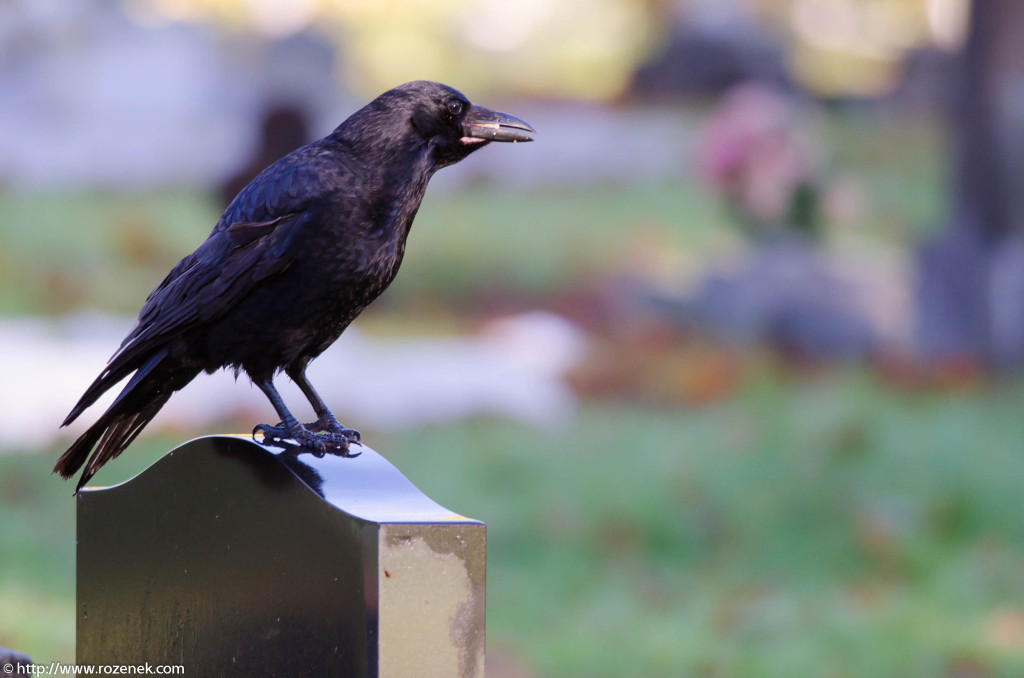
(366, 486)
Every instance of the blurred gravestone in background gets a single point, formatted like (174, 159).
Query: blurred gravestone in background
(707, 56)
(13, 663)
(762, 156)
(971, 292)
(96, 97)
(787, 295)
(284, 128)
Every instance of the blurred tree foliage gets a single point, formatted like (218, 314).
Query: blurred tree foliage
(585, 49)
(856, 47)
(575, 48)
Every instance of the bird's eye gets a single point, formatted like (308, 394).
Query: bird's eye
(455, 107)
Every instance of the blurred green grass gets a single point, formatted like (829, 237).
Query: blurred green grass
(825, 528)
(898, 157)
(64, 251)
(828, 526)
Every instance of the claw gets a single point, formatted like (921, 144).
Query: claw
(349, 435)
(270, 435)
(277, 436)
(331, 425)
(345, 450)
(336, 442)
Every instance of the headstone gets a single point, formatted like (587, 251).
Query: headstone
(231, 560)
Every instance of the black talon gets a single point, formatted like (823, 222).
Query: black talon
(277, 436)
(336, 443)
(334, 438)
(342, 443)
(272, 435)
(349, 435)
(331, 425)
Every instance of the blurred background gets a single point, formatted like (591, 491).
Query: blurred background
(727, 359)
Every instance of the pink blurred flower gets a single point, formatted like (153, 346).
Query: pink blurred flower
(756, 153)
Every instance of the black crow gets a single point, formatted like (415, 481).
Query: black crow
(295, 257)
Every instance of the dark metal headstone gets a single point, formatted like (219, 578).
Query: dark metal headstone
(231, 560)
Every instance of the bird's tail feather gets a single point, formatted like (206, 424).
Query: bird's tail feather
(136, 405)
(115, 372)
(110, 437)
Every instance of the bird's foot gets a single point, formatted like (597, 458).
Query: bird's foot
(289, 436)
(331, 425)
(318, 444)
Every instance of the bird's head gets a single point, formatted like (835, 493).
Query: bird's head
(443, 120)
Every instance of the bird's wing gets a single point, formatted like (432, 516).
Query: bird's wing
(251, 241)
(214, 278)
(204, 285)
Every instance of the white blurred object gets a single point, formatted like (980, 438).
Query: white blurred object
(514, 368)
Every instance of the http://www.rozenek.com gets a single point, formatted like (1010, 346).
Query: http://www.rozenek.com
(59, 669)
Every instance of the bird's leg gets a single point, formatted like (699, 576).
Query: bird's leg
(326, 421)
(290, 429)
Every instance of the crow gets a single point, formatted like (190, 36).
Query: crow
(296, 256)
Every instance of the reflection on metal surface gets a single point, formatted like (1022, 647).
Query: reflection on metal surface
(221, 558)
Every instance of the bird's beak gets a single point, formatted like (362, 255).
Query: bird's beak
(483, 124)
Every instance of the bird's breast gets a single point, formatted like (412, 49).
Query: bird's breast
(355, 270)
